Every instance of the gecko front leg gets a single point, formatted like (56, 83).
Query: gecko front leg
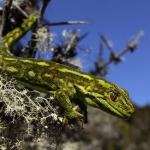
(63, 96)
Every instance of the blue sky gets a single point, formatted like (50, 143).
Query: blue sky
(119, 21)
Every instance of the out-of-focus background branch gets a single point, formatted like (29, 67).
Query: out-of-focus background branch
(102, 65)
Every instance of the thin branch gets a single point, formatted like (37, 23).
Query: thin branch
(45, 4)
(101, 48)
(75, 39)
(133, 44)
(65, 23)
(20, 9)
(106, 43)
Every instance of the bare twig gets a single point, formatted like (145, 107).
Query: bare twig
(20, 9)
(45, 4)
(75, 39)
(133, 44)
(130, 47)
(106, 43)
(65, 23)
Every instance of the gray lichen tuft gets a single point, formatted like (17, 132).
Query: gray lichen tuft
(30, 112)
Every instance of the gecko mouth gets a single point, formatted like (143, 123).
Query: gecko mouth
(122, 114)
(116, 111)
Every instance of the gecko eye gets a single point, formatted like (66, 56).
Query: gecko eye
(114, 95)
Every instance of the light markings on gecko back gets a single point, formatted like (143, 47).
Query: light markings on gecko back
(31, 73)
(26, 61)
(48, 75)
(42, 63)
(33, 61)
(75, 73)
(10, 59)
(11, 69)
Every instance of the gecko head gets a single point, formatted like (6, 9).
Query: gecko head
(110, 98)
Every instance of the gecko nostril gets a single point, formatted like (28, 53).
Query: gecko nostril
(130, 112)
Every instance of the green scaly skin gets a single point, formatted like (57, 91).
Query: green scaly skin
(63, 82)
(16, 34)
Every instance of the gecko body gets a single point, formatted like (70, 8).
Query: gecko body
(65, 83)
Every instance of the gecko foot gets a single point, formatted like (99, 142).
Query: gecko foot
(72, 115)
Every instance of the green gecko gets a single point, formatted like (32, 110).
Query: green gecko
(62, 81)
